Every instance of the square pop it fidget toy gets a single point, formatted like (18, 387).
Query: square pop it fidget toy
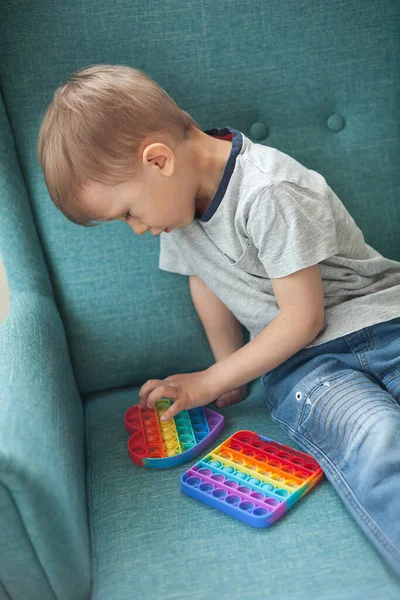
(158, 444)
(252, 478)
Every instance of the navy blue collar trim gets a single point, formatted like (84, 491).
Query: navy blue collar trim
(237, 142)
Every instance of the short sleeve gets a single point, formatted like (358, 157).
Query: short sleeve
(292, 227)
(171, 256)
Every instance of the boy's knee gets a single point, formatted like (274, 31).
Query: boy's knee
(345, 411)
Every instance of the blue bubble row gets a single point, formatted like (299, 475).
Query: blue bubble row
(199, 423)
(254, 503)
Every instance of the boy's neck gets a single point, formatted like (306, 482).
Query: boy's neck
(209, 155)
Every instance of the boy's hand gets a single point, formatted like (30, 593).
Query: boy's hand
(186, 390)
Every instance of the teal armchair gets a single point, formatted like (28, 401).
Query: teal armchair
(92, 317)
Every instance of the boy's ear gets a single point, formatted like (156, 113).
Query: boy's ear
(160, 156)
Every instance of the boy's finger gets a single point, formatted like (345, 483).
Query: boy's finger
(162, 391)
(171, 412)
(148, 387)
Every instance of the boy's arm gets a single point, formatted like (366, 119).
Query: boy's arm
(301, 301)
(224, 332)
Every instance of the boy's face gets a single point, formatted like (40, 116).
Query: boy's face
(175, 181)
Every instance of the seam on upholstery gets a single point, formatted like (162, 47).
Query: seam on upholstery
(28, 538)
(88, 448)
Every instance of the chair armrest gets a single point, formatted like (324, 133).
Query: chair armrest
(44, 540)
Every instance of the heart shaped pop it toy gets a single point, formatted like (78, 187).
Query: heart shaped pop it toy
(252, 478)
(154, 443)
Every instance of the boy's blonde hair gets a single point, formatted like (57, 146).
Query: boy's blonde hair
(93, 129)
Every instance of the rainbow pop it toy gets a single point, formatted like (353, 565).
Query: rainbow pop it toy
(252, 478)
(154, 443)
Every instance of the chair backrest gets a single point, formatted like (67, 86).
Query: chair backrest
(316, 80)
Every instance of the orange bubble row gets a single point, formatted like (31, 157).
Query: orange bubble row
(257, 470)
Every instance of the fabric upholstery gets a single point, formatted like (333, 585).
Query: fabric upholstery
(151, 541)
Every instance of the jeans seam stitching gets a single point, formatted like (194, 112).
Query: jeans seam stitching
(372, 341)
(303, 408)
(394, 377)
(364, 363)
(394, 390)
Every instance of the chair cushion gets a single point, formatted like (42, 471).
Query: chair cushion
(149, 540)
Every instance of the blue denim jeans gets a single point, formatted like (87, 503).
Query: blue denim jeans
(340, 402)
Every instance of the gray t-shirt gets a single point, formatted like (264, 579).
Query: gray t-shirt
(270, 217)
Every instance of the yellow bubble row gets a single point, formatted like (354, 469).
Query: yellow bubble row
(168, 430)
(251, 468)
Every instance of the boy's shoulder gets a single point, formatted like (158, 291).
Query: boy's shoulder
(261, 166)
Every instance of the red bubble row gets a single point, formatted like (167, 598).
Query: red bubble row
(249, 444)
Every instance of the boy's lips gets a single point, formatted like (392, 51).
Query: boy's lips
(167, 230)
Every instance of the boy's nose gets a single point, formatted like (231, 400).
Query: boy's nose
(139, 229)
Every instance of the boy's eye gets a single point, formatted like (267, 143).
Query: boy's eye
(128, 215)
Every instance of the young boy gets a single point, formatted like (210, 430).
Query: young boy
(266, 244)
